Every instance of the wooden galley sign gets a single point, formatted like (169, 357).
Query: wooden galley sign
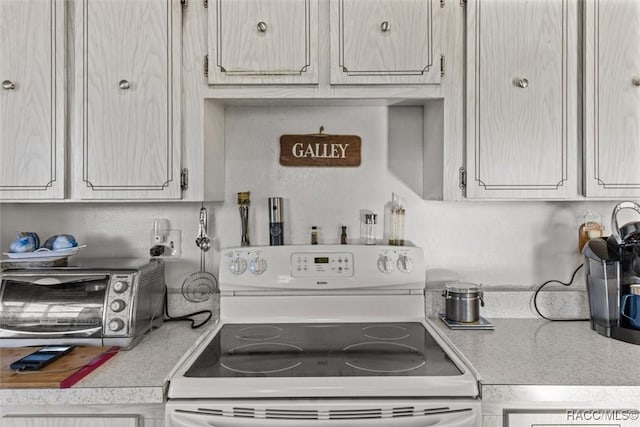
(320, 149)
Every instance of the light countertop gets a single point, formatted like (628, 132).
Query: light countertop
(522, 359)
(136, 376)
(535, 359)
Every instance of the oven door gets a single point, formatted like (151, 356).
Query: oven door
(324, 413)
(52, 306)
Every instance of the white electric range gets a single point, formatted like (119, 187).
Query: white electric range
(331, 335)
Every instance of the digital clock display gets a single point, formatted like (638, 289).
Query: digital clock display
(321, 260)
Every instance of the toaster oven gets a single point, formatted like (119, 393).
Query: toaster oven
(97, 303)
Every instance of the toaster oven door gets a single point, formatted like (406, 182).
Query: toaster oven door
(49, 306)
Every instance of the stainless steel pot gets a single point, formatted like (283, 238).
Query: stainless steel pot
(462, 301)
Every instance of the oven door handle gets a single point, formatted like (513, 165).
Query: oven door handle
(452, 418)
(52, 281)
(6, 333)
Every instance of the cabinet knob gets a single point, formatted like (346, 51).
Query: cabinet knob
(636, 81)
(262, 26)
(521, 82)
(124, 84)
(8, 85)
(385, 26)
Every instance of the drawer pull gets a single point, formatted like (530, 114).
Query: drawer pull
(124, 84)
(8, 85)
(521, 82)
(262, 27)
(636, 81)
(385, 26)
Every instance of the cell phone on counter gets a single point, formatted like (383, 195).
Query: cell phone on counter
(41, 358)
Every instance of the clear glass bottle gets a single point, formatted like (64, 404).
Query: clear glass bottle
(314, 235)
(397, 226)
(370, 229)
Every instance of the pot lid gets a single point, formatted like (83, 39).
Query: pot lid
(463, 287)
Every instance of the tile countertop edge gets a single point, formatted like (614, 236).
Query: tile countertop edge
(83, 396)
(623, 395)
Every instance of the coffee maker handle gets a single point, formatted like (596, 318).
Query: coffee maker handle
(623, 306)
(614, 217)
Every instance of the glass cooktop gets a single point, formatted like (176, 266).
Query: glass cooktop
(322, 350)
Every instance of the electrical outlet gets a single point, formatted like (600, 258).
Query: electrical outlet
(171, 247)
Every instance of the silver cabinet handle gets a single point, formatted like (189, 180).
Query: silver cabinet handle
(385, 26)
(8, 85)
(521, 82)
(262, 26)
(636, 81)
(124, 84)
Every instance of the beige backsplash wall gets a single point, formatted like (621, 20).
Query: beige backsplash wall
(515, 244)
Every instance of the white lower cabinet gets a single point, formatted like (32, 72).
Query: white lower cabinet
(71, 421)
(560, 414)
(123, 415)
(568, 417)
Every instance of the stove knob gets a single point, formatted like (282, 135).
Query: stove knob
(238, 265)
(117, 305)
(120, 287)
(384, 264)
(257, 265)
(405, 264)
(116, 325)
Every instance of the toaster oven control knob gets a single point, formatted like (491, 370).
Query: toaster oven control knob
(116, 324)
(258, 265)
(384, 264)
(238, 265)
(405, 264)
(117, 305)
(119, 287)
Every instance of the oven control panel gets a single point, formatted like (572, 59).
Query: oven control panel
(321, 268)
(318, 264)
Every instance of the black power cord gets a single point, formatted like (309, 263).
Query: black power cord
(186, 317)
(535, 297)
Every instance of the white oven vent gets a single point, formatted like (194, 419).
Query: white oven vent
(291, 414)
(327, 414)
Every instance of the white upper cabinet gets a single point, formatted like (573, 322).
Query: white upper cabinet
(612, 98)
(128, 60)
(380, 41)
(263, 42)
(32, 99)
(522, 99)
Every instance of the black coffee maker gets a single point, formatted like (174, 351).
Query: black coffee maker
(612, 266)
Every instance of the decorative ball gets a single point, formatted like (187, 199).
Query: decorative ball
(60, 241)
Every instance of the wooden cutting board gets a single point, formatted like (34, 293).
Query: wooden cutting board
(22, 264)
(61, 373)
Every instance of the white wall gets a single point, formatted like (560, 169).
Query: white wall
(519, 244)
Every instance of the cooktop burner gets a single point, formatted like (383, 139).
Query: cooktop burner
(259, 333)
(322, 349)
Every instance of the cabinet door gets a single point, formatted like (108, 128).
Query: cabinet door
(71, 421)
(570, 417)
(380, 41)
(128, 87)
(612, 98)
(522, 99)
(266, 41)
(32, 99)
